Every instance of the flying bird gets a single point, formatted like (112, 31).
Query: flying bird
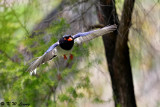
(65, 44)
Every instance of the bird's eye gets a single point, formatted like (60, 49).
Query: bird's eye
(65, 39)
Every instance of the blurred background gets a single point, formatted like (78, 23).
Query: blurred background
(28, 28)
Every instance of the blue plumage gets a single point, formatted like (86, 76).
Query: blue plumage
(52, 47)
(81, 34)
(65, 44)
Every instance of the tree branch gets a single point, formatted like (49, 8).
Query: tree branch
(6, 55)
(121, 60)
(25, 29)
(95, 26)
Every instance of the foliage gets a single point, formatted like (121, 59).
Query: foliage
(16, 22)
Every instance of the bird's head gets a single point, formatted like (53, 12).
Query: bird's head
(67, 38)
(66, 42)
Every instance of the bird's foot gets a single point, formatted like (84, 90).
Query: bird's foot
(71, 56)
(65, 57)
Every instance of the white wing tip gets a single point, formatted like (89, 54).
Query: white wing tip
(33, 72)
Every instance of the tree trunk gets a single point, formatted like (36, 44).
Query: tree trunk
(117, 52)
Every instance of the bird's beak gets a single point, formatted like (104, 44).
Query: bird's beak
(70, 39)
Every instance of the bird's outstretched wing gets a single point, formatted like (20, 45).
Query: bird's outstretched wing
(48, 55)
(86, 36)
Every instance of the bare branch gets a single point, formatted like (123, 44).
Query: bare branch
(24, 27)
(6, 55)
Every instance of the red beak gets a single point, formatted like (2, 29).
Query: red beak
(70, 39)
